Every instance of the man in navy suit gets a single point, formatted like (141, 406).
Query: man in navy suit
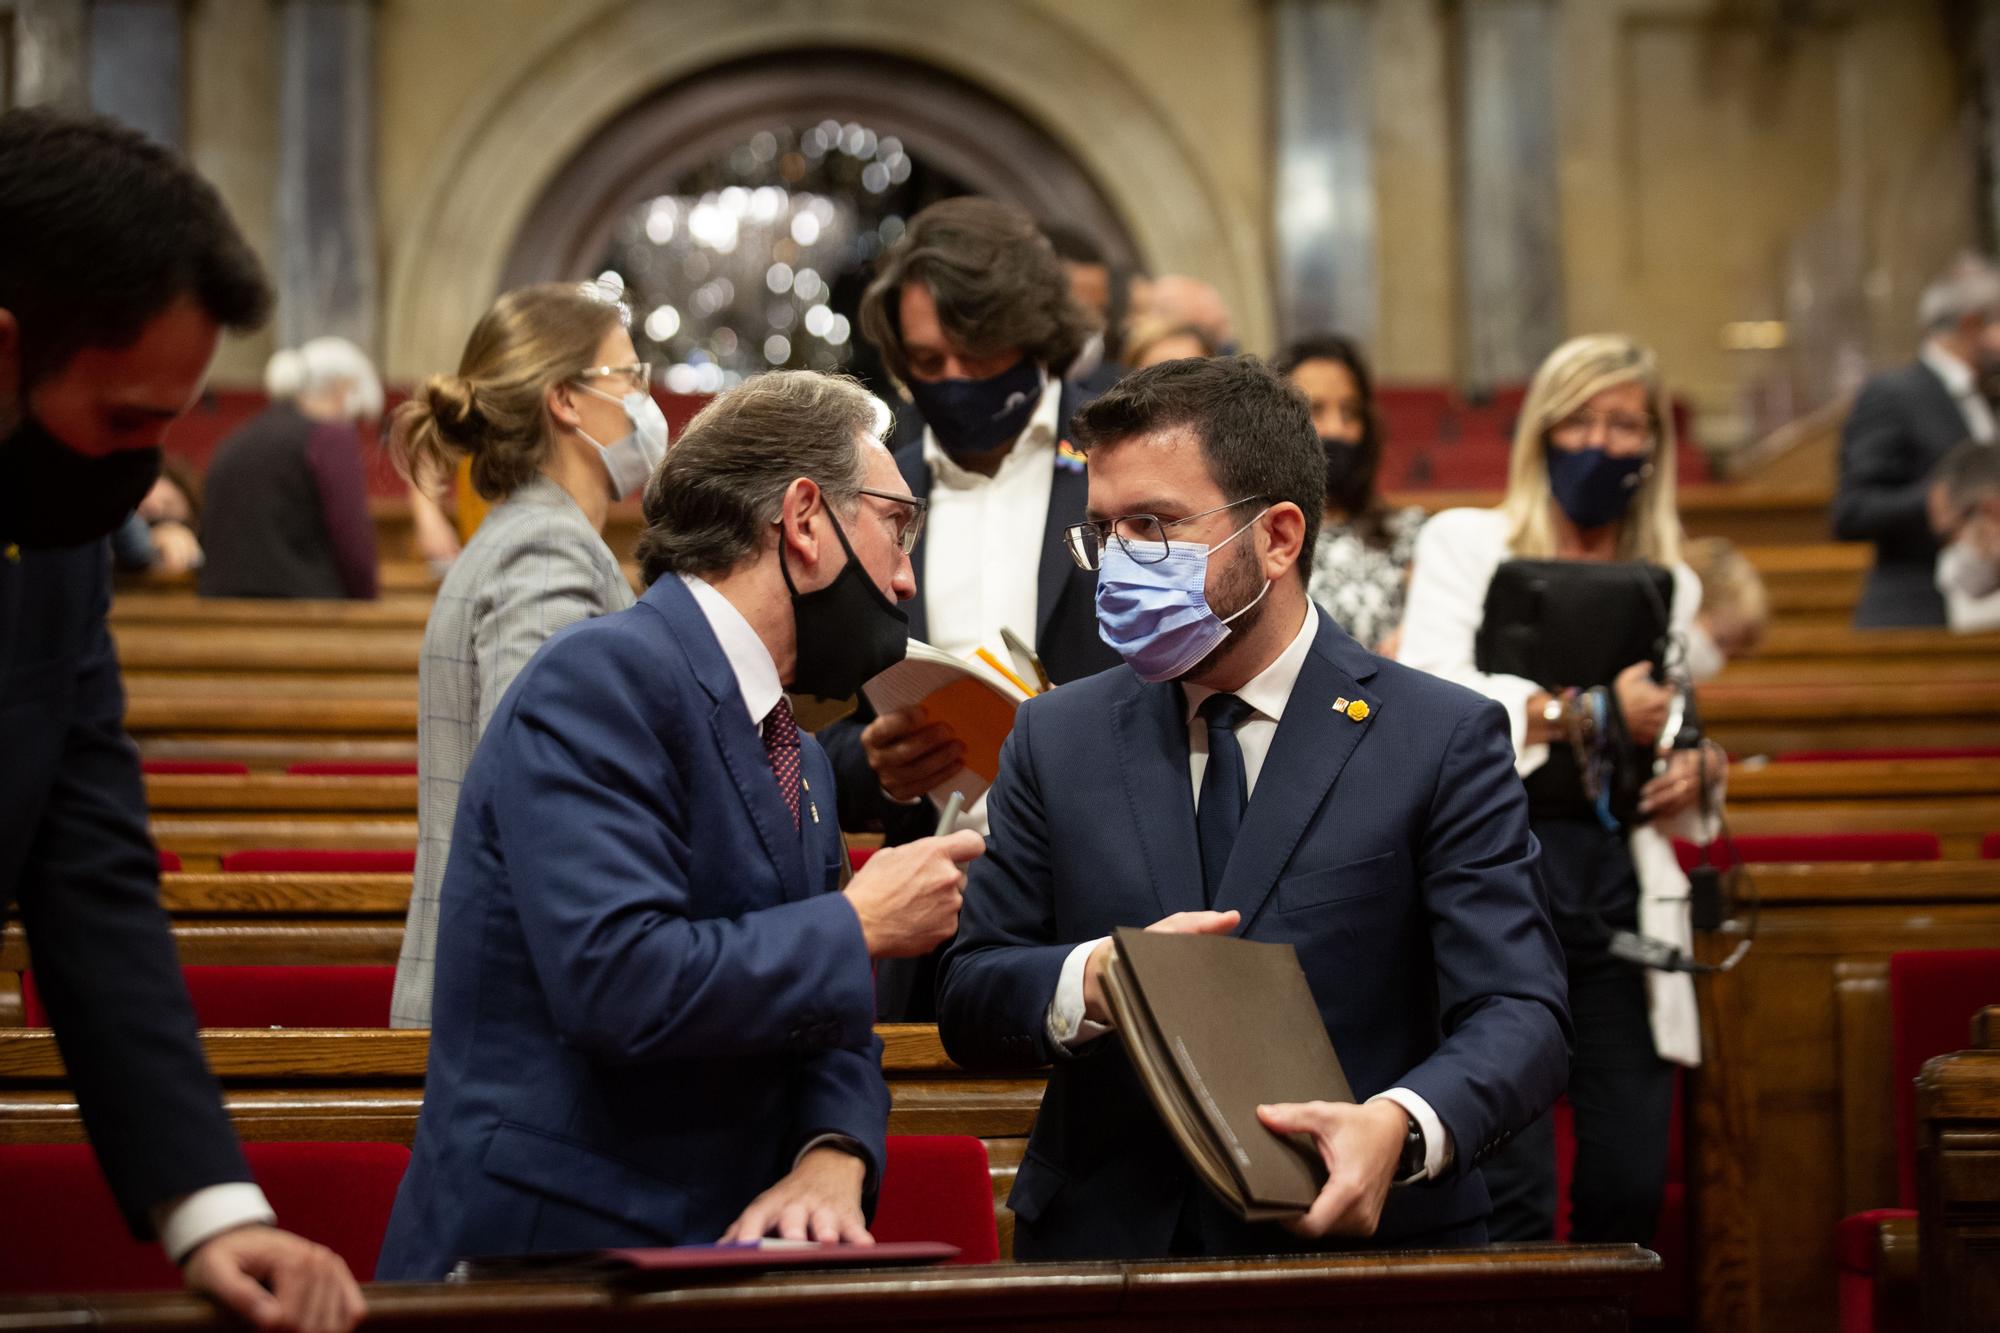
(972, 314)
(1252, 769)
(119, 269)
(653, 1020)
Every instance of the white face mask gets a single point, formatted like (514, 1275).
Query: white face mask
(630, 461)
(1705, 659)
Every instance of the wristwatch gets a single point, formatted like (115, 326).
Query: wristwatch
(1410, 1169)
(1554, 709)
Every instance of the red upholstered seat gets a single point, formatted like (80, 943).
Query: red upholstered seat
(1933, 995)
(1892, 752)
(938, 1187)
(1989, 847)
(290, 861)
(857, 857)
(197, 767)
(1787, 847)
(170, 863)
(261, 997)
(63, 1232)
(354, 768)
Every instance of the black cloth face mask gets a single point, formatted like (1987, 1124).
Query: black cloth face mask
(51, 495)
(847, 632)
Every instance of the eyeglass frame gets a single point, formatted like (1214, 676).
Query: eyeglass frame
(1075, 534)
(641, 373)
(1582, 424)
(911, 532)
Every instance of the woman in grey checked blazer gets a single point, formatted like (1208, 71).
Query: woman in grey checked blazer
(552, 405)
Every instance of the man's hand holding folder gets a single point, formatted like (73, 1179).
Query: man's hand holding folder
(1360, 1145)
(1095, 1009)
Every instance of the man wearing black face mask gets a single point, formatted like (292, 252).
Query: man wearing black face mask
(118, 270)
(973, 316)
(653, 1021)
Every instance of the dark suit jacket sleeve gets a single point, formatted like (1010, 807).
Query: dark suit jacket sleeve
(105, 965)
(591, 814)
(863, 803)
(842, 1092)
(1503, 992)
(1881, 493)
(999, 975)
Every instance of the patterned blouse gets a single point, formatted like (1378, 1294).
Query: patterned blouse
(1362, 586)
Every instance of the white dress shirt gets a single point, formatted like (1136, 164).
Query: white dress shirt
(1267, 694)
(984, 537)
(1966, 578)
(1963, 386)
(184, 1223)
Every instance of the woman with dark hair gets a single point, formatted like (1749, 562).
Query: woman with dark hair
(1361, 564)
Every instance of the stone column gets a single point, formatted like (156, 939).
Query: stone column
(138, 66)
(47, 63)
(327, 270)
(1511, 244)
(1324, 204)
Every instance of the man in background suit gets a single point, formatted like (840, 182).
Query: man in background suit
(1903, 423)
(653, 1022)
(119, 268)
(972, 314)
(1256, 771)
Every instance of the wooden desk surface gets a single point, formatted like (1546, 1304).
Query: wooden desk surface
(1511, 1287)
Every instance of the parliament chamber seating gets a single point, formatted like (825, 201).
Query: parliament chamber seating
(1934, 995)
(1753, 849)
(937, 1187)
(282, 860)
(352, 768)
(294, 996)
(1989, 847)
(338, 1194)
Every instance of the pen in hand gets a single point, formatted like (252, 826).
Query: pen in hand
(952, 809)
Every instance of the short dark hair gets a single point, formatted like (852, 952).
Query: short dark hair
(101, 229)
(1361, 496)
(722, 485)
(1074, 245)
(995, 278)
(1255, 429)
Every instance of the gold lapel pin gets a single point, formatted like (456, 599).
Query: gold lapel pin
(1340, 704)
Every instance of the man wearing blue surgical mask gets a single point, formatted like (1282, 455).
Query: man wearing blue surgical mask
(972, 313)
(1252, 770)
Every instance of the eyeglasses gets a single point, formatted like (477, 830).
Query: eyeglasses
(911, 528)
(1086, 541)
(640, 373)
(1619, 427)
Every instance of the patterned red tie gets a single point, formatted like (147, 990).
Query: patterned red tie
(781, 744)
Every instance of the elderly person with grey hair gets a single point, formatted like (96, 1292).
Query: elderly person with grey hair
(654, 1016)
(1903, 424)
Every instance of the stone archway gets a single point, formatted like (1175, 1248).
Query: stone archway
(506, 150)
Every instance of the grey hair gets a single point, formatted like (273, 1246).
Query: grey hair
(711, 503)
(1970, 286)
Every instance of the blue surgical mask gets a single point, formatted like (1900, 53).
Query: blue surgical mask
(1156, 615)
(1592, 486)
(630, 461)
(971, 417)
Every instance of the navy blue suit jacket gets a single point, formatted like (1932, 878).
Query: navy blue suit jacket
(1903, 424)
(1393, 853)
(649, 996)
(77, 861)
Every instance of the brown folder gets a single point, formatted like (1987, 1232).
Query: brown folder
(1216, 1027)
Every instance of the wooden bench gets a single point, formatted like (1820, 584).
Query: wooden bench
(1958, 1184)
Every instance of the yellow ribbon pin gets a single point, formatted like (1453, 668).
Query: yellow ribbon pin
(1357, 711)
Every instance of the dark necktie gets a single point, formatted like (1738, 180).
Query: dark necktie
(781, 744)
(1225, 787)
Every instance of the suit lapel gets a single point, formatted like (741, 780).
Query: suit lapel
(1069, 490)
(1312, 745)
(910, 462)
(1152, 749)
(736, 740)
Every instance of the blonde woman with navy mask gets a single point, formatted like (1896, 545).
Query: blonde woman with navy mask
(1591, 479)
(553, 407)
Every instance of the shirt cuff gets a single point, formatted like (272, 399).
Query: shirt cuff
(184, 1223)
(1437, 1144)
(847, 1143)
(1068, 1028)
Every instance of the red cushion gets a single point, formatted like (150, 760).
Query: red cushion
(1888, 753)
(858, 856)
(259, 997)
(182, 767)
(170, 863)
(1933, 993)
(338, 1194)
(1857, 1303)
(354, 768)
(1794, 847)
(289, 861)
(1989, 847)
(938, 1187)
(1854, 1240)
